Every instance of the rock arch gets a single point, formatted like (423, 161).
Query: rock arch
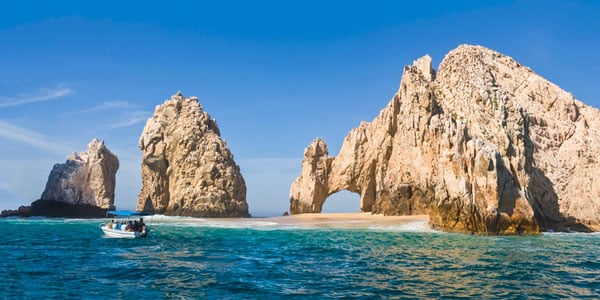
(481, 146)
(323, 176)
(318, 182)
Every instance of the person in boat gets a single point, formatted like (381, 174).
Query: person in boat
(130, 226)
(143, 229)
(141, 226)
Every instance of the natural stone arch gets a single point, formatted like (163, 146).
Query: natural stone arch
(322, 177)
(481, 146)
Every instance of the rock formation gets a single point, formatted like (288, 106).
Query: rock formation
(85, 178)
(84, 186)
(187, 169)
(485, 146)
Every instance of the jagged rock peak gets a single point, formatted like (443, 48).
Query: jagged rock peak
(317, 148)
(87, 178)
(187, 169)
(485, 145)
(423, 64)
(312, 183)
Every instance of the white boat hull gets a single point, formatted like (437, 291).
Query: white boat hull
(109, 232)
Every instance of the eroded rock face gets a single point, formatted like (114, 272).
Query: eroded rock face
(87, 178)
(187, 169)
(313, 185)
(485, 145)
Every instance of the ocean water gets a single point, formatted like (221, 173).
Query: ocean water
(182, 259)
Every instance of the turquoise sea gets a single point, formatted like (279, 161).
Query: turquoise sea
(235, 259)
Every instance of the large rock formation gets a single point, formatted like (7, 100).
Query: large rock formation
(485, 145)
(87, 178)
(187, 169)
(84, 186)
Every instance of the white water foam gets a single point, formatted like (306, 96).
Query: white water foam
(275, 224)
(161, 220)
(412, 226)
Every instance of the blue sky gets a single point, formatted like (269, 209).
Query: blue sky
(275, 75)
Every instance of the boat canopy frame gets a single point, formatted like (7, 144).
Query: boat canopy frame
(124, 213)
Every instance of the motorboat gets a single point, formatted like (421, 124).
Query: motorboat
(122, 228)
(117, 233)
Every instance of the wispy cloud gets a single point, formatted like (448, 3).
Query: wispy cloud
(43, 94)
(102, 106)
(129, 117)
(133, 118)
(34, 139)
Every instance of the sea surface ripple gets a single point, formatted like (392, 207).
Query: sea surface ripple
(58, 259)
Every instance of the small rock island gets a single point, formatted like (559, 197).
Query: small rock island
(485, 145)
(82, 187)
(187, 168)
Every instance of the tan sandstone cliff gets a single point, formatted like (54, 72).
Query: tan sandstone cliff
(187, 169)
(82, 187)
(87, 178)
(485, 145)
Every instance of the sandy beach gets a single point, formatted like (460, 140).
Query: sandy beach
(323, 220)
(347, 220)
(342, 217)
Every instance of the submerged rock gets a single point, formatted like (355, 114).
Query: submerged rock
(485, 146)
(187, 169)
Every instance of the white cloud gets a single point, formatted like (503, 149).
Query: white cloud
(30, 138)
(43, 94)
(133, 118)
(103, 106)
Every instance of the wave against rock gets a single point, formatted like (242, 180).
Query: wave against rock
(187, 169)
(485, 145)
